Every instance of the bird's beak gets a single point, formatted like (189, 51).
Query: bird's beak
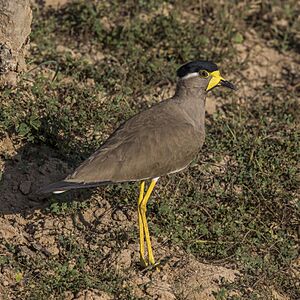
(216, 79)
(228, 84)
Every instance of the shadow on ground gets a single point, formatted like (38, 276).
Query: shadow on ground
(32, 167)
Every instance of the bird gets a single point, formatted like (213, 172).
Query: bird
(158, 141)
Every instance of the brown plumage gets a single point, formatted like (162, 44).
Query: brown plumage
(160, 140)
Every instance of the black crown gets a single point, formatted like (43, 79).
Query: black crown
(196, 66)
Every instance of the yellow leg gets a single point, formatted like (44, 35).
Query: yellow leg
(141, 226)
(143, 209)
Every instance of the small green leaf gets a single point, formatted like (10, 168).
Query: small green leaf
(238, 38)
(23, 129)
(18, 277)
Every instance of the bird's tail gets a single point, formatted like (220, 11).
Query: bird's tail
(63, 186)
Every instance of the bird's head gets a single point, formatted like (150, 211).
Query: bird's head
(204, 72)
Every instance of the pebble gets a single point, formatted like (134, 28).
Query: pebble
(25, 186)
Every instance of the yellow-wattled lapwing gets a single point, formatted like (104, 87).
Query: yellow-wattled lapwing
(158, 141)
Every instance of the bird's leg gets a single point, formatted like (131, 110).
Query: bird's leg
(144, 220)
(141, 226)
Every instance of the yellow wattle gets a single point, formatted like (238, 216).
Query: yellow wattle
(215, 80)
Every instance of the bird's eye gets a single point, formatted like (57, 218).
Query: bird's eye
(203, 74)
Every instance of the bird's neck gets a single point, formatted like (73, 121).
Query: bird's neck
(191, 98)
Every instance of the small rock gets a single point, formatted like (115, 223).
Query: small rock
(119, 216)
(25, 186)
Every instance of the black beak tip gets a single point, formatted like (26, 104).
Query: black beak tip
(228, 85)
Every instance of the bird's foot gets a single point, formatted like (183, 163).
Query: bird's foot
(143, 261)
(151, 267)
